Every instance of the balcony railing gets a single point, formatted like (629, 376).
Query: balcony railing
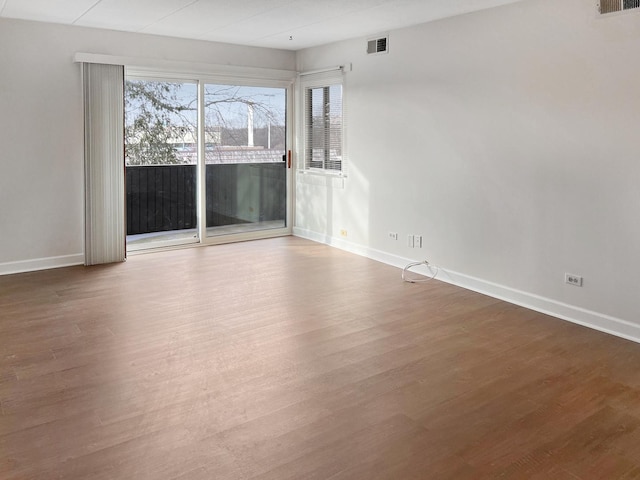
(162, 198)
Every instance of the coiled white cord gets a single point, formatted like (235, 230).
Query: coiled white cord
(415, 280)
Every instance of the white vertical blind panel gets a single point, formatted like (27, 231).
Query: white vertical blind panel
(105, 235)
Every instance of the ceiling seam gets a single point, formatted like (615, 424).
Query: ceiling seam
(285, 32)
(86, 11)
(3, 3)
(168, 15)
(290, 31)
(202, 37)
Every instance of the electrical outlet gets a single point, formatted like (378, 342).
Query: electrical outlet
(573, 279)
(343, 233)
(393, 235)
(410, 241)
(417, 241)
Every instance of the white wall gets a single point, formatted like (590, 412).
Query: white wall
(41, 129)
(510, 139)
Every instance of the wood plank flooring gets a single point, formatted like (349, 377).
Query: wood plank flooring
(285, 359)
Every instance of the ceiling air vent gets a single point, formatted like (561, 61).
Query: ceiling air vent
(611, 6)
(379, 45)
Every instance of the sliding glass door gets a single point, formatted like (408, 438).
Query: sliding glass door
(205, 162)
(246, 172)
(161, 134)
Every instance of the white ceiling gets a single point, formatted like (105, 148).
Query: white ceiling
(287, 24)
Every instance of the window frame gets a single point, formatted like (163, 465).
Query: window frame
(264, 79)
(308, 83)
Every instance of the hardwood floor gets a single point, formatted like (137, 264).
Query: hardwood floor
(286, 359)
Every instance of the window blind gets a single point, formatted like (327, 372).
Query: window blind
(105, 236)
(323, 123)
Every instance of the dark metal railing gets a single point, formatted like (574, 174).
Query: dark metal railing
(163, 197)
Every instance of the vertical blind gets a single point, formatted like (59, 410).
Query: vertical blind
(105, 236)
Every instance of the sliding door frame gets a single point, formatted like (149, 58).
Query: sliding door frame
(232, 80)
(159, 244)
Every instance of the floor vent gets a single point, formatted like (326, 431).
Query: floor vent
(612, 6)
(379, 45)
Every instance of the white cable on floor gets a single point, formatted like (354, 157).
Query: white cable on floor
(415, 264)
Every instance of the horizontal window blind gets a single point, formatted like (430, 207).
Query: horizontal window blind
(324, 123)
(324, 127)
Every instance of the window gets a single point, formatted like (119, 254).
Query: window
(323, 125)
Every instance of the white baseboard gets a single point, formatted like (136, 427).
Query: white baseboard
(598, 321)
(41, 264)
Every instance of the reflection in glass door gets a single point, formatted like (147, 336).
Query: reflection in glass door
(161, 138)
(245, 168)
